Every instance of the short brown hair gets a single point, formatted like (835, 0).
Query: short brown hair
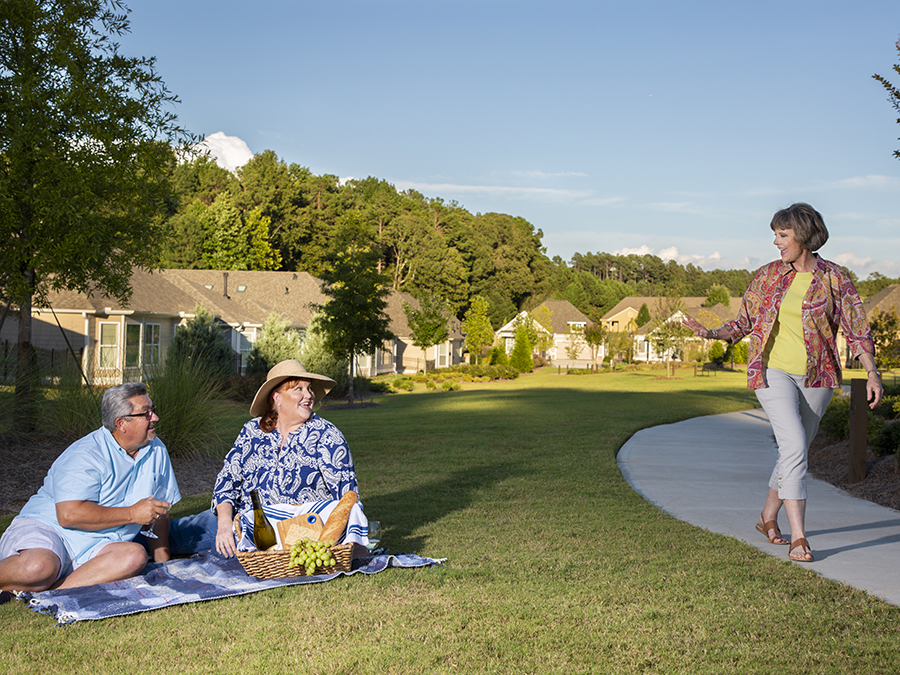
(807, 223)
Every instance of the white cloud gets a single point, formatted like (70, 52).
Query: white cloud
(671, 253)
(546, 194)
(543, 174)
(230, 152)
(873, 182)
(677, 207)
(608, 201)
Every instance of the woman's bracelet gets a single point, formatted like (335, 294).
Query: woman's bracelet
(714, 333)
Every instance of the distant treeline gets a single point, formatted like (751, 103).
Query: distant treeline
(275, 216)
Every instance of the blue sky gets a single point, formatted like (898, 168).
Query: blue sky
(646, 126)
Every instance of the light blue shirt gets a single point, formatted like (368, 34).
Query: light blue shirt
(96, 468)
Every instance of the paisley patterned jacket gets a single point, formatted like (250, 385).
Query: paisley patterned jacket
(831, 304)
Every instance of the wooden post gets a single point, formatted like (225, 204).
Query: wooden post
(858, 428)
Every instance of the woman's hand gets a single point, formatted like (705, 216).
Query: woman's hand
(694, 326)
(225, 545)
(874, 389)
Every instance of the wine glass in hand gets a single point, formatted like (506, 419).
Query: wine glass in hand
(147, 530)
(374, 535)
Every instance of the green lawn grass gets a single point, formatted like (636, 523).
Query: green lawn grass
(554, 564)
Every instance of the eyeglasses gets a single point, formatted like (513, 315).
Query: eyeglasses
(146, 415)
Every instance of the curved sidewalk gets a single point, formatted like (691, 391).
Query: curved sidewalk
(713, 472)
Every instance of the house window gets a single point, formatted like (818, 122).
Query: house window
(440, 355)
(109, 344)
(132, 345)
(151, 344)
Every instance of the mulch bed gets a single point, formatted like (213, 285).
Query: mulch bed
(829, 461)
(25, 459)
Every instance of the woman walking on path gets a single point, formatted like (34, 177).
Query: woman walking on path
(792, 312)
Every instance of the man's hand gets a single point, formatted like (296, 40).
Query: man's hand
(149, 510)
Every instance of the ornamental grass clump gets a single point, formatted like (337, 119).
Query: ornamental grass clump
(187, 395)
(72, 407)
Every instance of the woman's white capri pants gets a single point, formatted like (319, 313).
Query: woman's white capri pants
(794, 412)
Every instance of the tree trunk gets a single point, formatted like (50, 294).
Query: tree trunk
(352, 377)
(22, 402)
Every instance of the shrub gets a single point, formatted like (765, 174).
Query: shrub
(186, 392)
(498, 356)
(835, 423)
(202, 341)
(520, 359)
(717, 352)
(276, 343)
(429, 384)
(242, 388)
(317, 359)
(889, 438)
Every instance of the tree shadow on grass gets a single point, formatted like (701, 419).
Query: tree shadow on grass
(406, 511)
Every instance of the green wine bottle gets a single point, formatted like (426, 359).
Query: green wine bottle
(263, 532)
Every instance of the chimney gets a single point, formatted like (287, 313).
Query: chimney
(225, 290)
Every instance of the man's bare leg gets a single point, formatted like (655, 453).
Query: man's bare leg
(34, 569)
(119, 560)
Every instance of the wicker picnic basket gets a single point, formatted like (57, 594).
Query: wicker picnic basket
(273, 564)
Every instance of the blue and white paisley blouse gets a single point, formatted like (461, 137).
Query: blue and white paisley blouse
(314, 464)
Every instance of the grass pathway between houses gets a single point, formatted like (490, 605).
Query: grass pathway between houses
(554, 564)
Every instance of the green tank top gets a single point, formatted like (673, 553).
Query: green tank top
(786, 349)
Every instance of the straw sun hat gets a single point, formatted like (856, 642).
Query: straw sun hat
(287, 370)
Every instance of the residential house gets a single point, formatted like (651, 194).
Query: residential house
(122, 341)
(623, 318)
(565, 319)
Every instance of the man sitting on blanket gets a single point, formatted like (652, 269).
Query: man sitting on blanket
(79, 528)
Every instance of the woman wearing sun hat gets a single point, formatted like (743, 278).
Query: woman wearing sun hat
(287, 452)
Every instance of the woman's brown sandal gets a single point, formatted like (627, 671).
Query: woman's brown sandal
(772, 525)
(800, 543)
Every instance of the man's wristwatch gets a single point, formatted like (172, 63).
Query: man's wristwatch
(874, 370)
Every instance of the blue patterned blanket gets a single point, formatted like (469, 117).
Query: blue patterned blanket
(205, 576)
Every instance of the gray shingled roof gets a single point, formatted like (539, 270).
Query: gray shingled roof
(563, 313)
(247, 300)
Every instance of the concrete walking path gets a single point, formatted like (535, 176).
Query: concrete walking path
(713, 472)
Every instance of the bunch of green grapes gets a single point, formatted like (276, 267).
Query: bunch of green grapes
(311, 554)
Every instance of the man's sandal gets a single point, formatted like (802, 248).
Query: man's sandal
(772, 525)
(800, 543)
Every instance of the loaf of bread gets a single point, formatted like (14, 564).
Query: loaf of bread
(339, 517)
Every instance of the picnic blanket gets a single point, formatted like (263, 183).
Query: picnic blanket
(205, 576)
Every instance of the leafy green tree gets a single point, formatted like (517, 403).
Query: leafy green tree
(520, 358)
(85, 159)
(717, 295)
(575, 342)
(893, 92)
(668, 332)
(201, 340)
(885, 328)
(428, 323)
(278, 342)
(353, 318)
(316, 358)
(477, 328)
(594, 336)
(643, 315)
(544, 316)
